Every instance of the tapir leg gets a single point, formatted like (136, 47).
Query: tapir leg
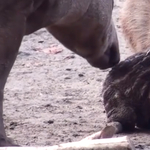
(12, 27)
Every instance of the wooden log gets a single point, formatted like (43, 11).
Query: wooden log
(120, 143)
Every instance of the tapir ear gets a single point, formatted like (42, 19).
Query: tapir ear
(108, 132)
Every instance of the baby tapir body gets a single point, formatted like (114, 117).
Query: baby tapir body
(126, 95)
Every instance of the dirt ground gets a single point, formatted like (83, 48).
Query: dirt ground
(56, 98)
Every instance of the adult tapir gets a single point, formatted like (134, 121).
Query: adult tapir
(83, 26)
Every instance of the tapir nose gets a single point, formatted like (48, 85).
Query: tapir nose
(109, 59)
(113, 55)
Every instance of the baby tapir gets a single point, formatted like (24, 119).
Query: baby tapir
(126, 95)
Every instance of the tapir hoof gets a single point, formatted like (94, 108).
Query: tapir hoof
(7, 143)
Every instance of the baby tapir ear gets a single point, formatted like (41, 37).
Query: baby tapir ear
(108, 132)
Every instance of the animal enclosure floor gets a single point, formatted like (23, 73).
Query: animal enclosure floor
(53, 96)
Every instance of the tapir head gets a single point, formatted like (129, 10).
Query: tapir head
(90, 32)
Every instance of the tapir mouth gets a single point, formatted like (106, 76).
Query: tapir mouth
(107, 60)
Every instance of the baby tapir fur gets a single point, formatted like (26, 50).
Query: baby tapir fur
(126, 95)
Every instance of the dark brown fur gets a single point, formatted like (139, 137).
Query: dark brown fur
(127, 86)
(83, 26)
(126, 94)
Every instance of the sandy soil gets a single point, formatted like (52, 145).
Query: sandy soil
(56, 98)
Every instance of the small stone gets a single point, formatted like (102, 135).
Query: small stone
(66, 78)
(12, 128)
(139, 146)
(49, 122)
(75, 135)
(13, 125)
(70, 57)
(75, 123)
(48, 105)
(99, 80)
(40, 41)
(80, 75)
(79, 107)
(68, 69)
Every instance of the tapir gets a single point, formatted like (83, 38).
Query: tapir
(83, 26)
